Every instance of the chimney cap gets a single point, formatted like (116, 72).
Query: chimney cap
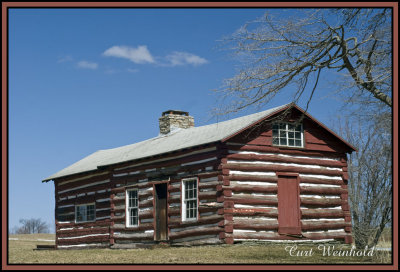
(177, 112)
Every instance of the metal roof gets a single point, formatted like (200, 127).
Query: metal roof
(176, 140)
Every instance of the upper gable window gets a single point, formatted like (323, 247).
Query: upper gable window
(287, 134)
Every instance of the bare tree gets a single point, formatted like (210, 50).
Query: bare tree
(370, 186)
(287, 51)
(33, 225)
(296, 49)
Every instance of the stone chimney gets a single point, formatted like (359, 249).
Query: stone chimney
(173, 119)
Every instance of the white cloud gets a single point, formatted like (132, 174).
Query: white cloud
(65, 59)
(130, 70)
(137, 55)
(111, 71)
(184, 58)
(87, 65)
(142, 55)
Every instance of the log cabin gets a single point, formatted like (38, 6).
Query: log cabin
(276, 175)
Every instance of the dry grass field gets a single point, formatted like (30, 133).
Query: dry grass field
(21, 251)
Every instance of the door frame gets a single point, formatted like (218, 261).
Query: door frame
(166, 182)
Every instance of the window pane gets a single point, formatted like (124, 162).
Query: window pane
(291, 135)
(91, 212)
(291, 142)
(78, 214)
(133, 217)
(134, 197)
(133, 200)
(275, 132)
(190, 193)
(282, 141)
(82, 213)
(298, 142)
(191, 209)
(298, 135)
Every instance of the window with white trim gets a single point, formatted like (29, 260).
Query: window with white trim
(189, 199)
(287, 134)
(132, 208)
(85, 212)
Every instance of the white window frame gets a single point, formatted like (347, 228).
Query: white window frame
(184, 200)
(128, 208)
(86, 215)
(287, 135)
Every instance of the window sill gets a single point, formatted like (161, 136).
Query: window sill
(132, 227)
(82, 222)
(190, 220)
(289, 147)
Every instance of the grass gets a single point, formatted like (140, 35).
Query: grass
(21, 251)
(385, 240)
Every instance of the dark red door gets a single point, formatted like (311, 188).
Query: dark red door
(288, 205)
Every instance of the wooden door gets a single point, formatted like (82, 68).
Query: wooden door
(288, 205)
(161, 226)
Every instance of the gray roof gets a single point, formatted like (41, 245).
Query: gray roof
(176, 140)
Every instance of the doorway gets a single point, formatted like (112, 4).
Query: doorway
(161, 216)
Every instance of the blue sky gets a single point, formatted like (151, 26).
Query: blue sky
(81, 80)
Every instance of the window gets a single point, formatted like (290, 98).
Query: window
(189, 199)
(132, 210)
(286, 134)
(85, 212)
